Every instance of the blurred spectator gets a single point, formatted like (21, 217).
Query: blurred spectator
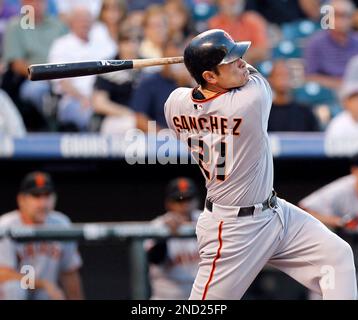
(336, 204)
(154, 89)
(282, 11)
(133, 24)
(351, 71)
(243, 26)
(344, 127)
(155, 29)
(139, 5)
(180, 24)
(328, 51)
(23, 47)
(173, 263)
(55, 264)
(113, 92)
(202, 11)
(75, 106)
(8, 9)
(105, 30)
(65, 7)
(286, 114)
(112, 13)
(11, 123)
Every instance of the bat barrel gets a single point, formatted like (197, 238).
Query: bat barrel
(76, 69)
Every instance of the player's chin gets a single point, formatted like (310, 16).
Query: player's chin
(243, 79)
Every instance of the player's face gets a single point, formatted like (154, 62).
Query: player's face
(36, 207)
(232, 75)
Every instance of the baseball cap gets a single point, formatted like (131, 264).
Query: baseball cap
(181, 189)
(36, 183)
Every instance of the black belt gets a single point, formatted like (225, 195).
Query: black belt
(271, 203)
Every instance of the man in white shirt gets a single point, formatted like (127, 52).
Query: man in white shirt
(75, 106)
(343, 129)
(65, 7)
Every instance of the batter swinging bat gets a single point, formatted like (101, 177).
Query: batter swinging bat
(50, 71)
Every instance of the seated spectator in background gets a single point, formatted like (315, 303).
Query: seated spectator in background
(11, 123)
(243, 26)
(179, 20)
(343, 128)
(75, 106)
(112, 13)
(55, 264)
(113, 92)
(155, 31)
(139, 5)
(154, 89)
(286, 114)
(351, 71)
(8, 9)
(133, 22)
(23, 47)
(282, 11)
(105, 30)
(336, 204)
(65, 7)
(328, 51)
(173, 263)
(202, 11)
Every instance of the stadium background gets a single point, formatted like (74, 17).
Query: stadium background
(107, 190)
(100, 189)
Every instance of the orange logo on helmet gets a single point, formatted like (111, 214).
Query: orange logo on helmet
(40, 180)
(183, 185)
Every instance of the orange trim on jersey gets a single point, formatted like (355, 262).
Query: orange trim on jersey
(208, 99)
(213, 267)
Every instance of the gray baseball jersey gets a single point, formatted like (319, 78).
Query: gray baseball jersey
(226, 126)
(338, 198)
(48, 259)
(173, 278)
(227, 136)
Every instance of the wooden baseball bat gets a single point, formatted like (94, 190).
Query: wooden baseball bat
(50, 71)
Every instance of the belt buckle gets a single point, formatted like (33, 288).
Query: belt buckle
(273, 194)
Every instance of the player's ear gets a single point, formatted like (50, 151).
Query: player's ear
(209, 77)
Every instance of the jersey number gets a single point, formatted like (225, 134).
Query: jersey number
(203, 154)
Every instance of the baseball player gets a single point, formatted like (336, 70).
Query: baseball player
(245, 225)
(51, 263)
(173, 263)
(336, 204)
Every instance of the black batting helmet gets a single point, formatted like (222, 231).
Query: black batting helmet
(209, 49)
